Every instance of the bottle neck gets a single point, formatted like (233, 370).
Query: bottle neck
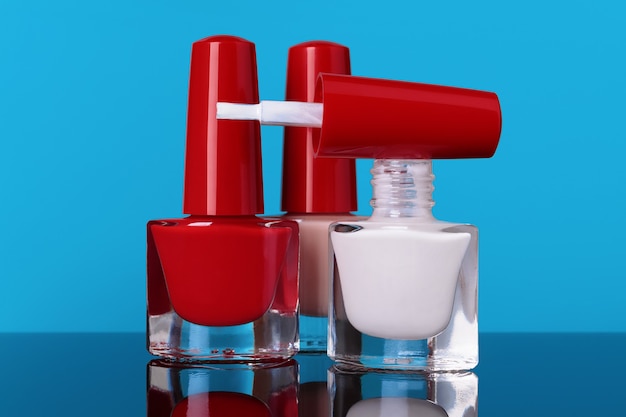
(402, 189)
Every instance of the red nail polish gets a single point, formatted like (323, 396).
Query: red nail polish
(222, 283)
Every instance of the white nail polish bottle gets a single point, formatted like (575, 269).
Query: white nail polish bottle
(404, 283)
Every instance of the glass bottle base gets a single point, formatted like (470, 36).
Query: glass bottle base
(351, 349)
(171, 337)
(403, 363)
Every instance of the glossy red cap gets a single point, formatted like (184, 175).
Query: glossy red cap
(223, 173)
(384, 119)
(312, 185)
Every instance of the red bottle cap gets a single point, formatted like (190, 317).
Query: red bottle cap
(384, 119)
(313, 185)
(223, 173)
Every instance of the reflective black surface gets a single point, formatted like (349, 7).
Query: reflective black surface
(107, 375)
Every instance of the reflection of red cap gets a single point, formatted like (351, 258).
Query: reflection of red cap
(223, 161)
(314, 185)
(374, 118)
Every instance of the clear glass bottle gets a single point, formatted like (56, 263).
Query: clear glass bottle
(315, 191)
(222, 289)
(383, 394)
(404, 284)
(313, 400)
(222, 283)
(314, 277)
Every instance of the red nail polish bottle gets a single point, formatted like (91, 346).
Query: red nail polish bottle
(222, 283)
(316, 191)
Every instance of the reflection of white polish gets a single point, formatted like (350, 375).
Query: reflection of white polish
(404, 286)
(363, 393)
(383, 407)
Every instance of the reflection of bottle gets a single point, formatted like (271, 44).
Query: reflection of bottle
(381, 407)
(404, 280)
(199, 390)
(374, 394)
(316, 192)
(312, 389)
(222, 283)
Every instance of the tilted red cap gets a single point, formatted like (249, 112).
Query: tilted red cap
(312, 185)
(223, 173)
(384, 119)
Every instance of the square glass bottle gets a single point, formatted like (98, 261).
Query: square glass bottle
(222, 284)
(315, 191)
(404, 284)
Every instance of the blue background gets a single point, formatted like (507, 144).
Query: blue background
(92, 128)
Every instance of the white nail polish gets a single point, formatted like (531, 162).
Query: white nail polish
(404, 284)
